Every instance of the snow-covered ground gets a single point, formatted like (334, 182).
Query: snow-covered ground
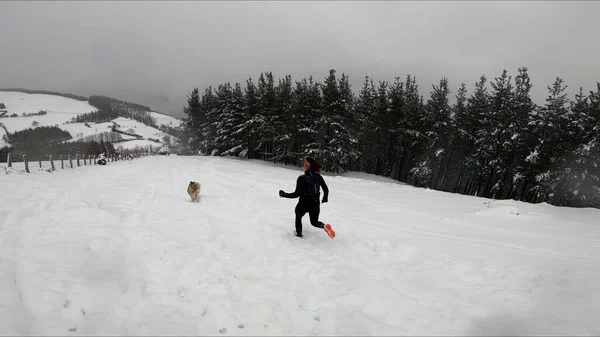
(120, 249)
(132, 144)
(60, 110)
(126, 124)
(162, 119)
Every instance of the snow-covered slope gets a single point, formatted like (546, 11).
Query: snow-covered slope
(162, 119)
(121, 250)
(60, 110)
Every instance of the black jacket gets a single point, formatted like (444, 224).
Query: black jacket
(302, 188)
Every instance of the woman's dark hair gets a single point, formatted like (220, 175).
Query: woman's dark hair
(314, 165)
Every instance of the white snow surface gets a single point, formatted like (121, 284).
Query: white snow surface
(121, 250)
(60, 109)
(139, 143)
(60, 112)
(162, 119)
(126, 124)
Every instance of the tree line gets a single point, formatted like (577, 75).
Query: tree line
(494, 142)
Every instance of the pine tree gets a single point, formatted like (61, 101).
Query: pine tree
(191, 124)
(381, 106)
(228, 119)
(412, 129)
(208, 124)
(265, 115)
(364, 125)
(579, 184)
(435, 122)
(252, 120)
(283, 122)
(394, 121)
(478, 106)
(550, 127)
(337, 146)
(311, 105)
(494, 145)
(520, 136)
(239, 117)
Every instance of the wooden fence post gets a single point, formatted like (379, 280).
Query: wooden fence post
(62, 162)
(94, 158)
(77, 155)
(71, 161)
(26, 163)
(84, 159)
(40, 161)
(9, 160)
(52, 163)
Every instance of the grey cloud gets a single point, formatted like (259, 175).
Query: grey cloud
(155, 52)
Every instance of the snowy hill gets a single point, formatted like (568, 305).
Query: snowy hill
(162, 119)
(59, 112)
(121, 250)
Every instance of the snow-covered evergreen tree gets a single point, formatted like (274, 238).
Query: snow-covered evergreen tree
(208, 124)
(435, 125)
(394, 121)
(190, 141)
(521, 140)
(364, 125)
(579, 183)
(550, 125)
(478, 107)
(337, 143)
(283, 122)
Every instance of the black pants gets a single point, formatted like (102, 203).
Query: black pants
(313, 208)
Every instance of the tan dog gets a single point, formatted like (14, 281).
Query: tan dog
(194, 190)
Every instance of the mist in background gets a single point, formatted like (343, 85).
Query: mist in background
(154, 53)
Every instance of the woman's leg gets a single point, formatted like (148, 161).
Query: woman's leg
(313, 213)
(300, 212)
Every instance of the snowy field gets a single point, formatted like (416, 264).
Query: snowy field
(121, 250)
(132, 144)
(138, 128)
(162, 119)
(60, 110)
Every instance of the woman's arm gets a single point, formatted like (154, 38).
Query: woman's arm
(325, 189)
(294, 194)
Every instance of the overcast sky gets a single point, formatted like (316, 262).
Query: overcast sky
(154, 53)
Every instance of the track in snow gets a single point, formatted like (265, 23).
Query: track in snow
(121, 250)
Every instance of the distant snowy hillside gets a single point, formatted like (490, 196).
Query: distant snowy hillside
(162, 119)
(30, 110)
